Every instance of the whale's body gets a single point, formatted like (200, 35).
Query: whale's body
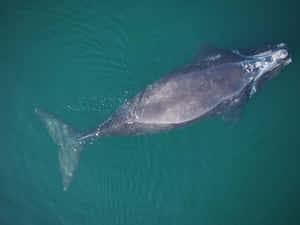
(217, 82)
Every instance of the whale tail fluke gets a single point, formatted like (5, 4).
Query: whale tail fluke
(67, 138)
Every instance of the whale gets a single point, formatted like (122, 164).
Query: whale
(216, 82)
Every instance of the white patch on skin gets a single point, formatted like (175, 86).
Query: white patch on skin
(281, 54)
(236, 100)
(281, 45)
(136, 115)
(212, 58)
(249, 67)
(258, 64)
(288, 61)
(253, 90)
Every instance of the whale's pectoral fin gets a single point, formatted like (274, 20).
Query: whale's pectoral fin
(235, 115)
(237, 108)
(208, 55)
(206, 50)
(66, 138)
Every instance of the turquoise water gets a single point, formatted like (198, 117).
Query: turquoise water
(82, 59)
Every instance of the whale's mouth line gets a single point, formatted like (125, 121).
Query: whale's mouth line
(275, 54)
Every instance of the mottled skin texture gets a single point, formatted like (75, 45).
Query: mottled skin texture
(216, 82)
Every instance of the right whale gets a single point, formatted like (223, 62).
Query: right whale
(216, 82)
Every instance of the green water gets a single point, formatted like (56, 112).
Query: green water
(82, 59)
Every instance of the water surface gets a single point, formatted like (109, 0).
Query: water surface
(82, 59)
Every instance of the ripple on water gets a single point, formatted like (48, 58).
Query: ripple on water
(81, 34)
(103, 105)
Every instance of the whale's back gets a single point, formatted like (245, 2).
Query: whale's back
(188, 94)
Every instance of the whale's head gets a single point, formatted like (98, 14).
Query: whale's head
(262, 64)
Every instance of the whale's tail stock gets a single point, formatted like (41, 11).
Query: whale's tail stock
(67, 138)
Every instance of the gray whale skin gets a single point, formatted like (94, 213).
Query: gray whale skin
(216, 82)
